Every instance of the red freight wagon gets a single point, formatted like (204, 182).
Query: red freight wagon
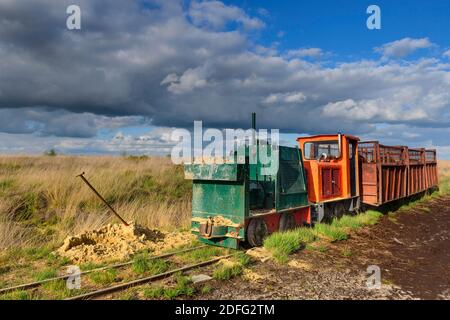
(389, 173)
(384, 172)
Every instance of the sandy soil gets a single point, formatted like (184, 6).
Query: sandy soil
(412, 249)
(116, 242)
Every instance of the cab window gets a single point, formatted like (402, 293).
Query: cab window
(321, 150)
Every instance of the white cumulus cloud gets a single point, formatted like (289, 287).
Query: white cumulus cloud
(403, 47)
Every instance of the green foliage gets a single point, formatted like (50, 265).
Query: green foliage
(317, 247)
(6, 185)
(28, 207)
(57, 261)
(201, 254)
(37, 253)
(367, 218)
(226, 272)
(142, 263)
(183, 288)
(103, 277)
(206, 289)
(90, 266)
(16, 295)
(330, 232)
(243, 259)
(45, 274)
(233, 267)
(50, 153)
(282, 244)
(136, 158)
(444, 185)
(57, 290)
(154, 292)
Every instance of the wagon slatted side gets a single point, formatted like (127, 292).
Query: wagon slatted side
(384, 172)
(417, 173)
(431, 168)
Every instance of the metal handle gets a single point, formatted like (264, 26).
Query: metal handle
(81, 175)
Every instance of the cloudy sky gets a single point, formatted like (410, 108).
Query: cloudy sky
(138, 69)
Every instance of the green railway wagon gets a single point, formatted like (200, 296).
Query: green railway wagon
(240, 203)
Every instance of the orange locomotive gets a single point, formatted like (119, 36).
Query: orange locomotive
(344, 173)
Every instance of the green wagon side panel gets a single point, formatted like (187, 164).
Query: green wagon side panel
(213, 172)
(224, 199)
(292, 181)
(220, 198)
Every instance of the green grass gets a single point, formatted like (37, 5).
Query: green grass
(444, 185)
(154, 292)
(17, 295)
(57, 290)
(235, 268)
(28, 207)
(317, 247)
(281, 245)
(90, 266)
(6, 184)
(142, 263)
(206, 289)
(368, 218)
(392, 216)
(243, 259)
(57, 261)
(37, 253)
(225, 272)
(183, 287)
(103, 277)
(330, 232)
(45, 274)
(202, 254)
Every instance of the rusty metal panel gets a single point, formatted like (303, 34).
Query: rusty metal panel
(431, 175)
(326, 183)
(384, 172)
(331, 182)
(336, 182)
(417, 171)
(369, 186)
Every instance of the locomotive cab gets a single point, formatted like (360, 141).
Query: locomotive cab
(331, 166)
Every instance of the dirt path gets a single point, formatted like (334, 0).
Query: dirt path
(412, 249)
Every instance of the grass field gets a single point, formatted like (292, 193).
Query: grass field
(42, 201)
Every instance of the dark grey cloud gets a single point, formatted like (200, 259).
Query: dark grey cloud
(171, 62)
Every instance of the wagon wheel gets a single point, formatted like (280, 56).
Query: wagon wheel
(256, 232)
(339, 210)
(287, 222)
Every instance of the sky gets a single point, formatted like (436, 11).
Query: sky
(139, 69)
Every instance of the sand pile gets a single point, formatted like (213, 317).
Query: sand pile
(119, 242)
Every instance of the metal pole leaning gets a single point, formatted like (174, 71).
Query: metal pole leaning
(81, 175)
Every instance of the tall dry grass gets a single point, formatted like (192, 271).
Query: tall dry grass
(42, 201)
(444, 176)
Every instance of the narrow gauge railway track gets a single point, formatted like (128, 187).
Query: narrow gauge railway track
(36, 284)
(145, 280)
